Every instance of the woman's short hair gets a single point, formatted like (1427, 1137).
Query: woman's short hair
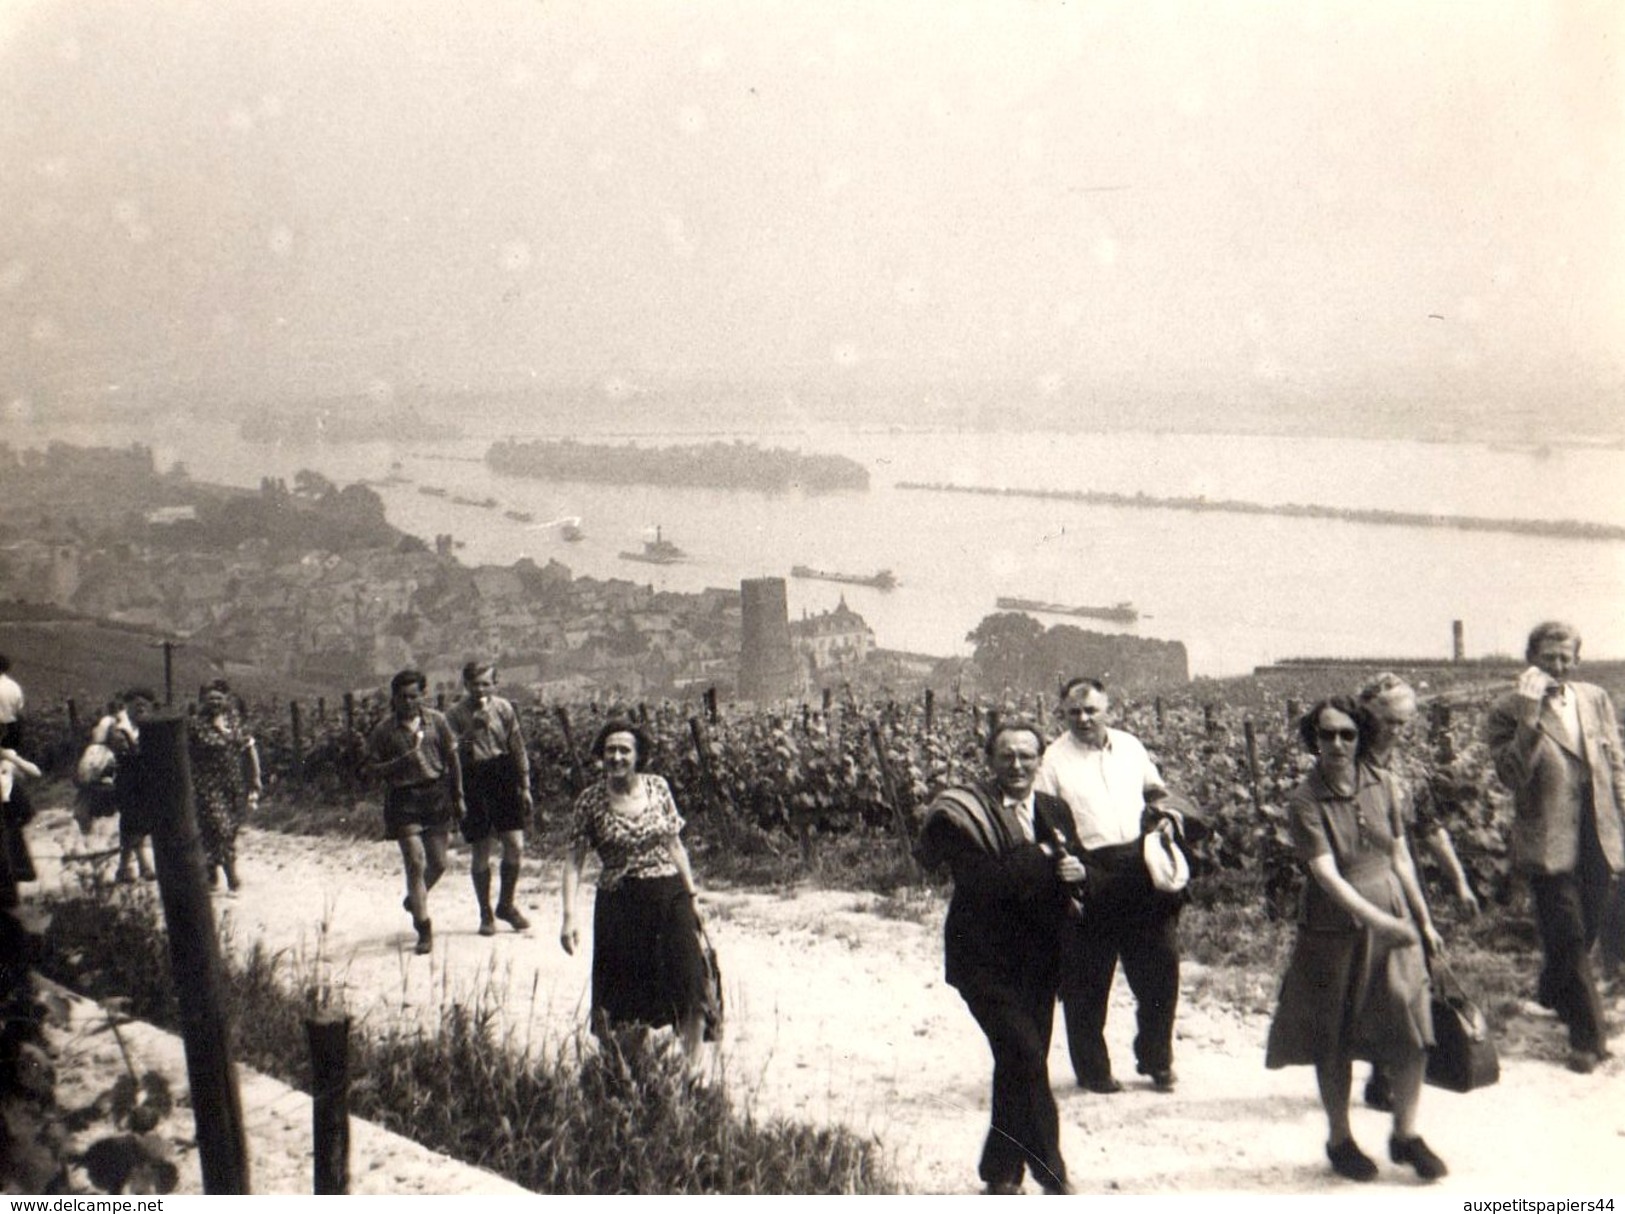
(1550, 630)
(1309, 723)
(1386, 688)
(139, 693)
(1012, 725)
(645, 744)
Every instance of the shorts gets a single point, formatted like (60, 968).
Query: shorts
(417, 809)
(496, 803)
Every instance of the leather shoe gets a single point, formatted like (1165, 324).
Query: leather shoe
(1163, 1081)
(1101, 1087)
(1002, 1188)
(1349, 1161)
(1583, 1062)
(1378, 1094)
(1419, 1155)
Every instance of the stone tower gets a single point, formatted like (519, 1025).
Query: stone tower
(767, 668)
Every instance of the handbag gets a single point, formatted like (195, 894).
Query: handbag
(1463, 1057)
(713, 984)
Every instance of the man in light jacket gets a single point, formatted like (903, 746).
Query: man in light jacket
(1556, 745)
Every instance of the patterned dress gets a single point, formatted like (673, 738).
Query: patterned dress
(647, 965)
(218, 748)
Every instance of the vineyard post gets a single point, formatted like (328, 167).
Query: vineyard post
(321, 710)
(194, 959)
(298, 745)
(1252, 764)
(349, 737)
(889, 787)
(993, 719)
(722, 803)
(578, 777)
(73, 720)
(329, 1036)
(1294, 710)
(806, 720)
(711, 705)
(1158, 705)
(1040, 710)
(826, 698)
(930, 710)
(1209, 721)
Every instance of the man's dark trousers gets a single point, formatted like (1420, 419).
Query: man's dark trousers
(1569, 909)
(1125, 918)
(1017, 1018)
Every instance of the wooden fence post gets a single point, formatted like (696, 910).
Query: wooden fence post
(721, 799)
(1252, 764)
(298, 744)
(329, 1037)
(578, 776)
(889, 786)
(194, 958)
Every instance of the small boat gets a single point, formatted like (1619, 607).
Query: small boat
(1119, 613)
(572, 533)
(431, 491)
(884, 580)
(519, 516)
(658, 551)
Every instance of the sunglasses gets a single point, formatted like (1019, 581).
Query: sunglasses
(1338, 735)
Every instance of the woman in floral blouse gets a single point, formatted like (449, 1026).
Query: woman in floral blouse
(225, 778)
(647, 966)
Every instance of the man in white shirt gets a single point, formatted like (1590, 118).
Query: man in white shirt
(1111, 787)
(11, 706)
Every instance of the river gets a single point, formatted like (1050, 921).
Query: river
(1238, 590)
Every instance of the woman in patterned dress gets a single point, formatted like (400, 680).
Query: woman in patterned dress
(225, 778)
(647, 966)
(1356, 986)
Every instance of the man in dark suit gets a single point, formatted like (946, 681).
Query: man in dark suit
(1001, 841)
(1556, 745)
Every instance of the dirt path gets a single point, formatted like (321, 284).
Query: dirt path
(838, 1014)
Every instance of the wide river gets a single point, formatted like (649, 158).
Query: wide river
(1238, 590)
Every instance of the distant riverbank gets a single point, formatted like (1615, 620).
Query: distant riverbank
(1571, 529)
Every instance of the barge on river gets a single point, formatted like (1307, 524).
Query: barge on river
(884, 580)
(1118, 613)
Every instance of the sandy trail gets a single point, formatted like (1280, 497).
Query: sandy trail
(839, 1014)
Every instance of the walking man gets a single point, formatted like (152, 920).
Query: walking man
(414, 752)
(1112, 790)
(1556, 745)
(496, 783)
(1000, 840)
(11, 706)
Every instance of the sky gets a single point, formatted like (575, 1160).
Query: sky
(311, 197)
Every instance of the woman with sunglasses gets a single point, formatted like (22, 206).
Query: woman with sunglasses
(1356, 986)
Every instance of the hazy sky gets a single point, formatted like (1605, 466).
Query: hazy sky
(282, 195)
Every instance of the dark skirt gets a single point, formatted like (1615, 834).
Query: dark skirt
(647, 967)
(1345, 995)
